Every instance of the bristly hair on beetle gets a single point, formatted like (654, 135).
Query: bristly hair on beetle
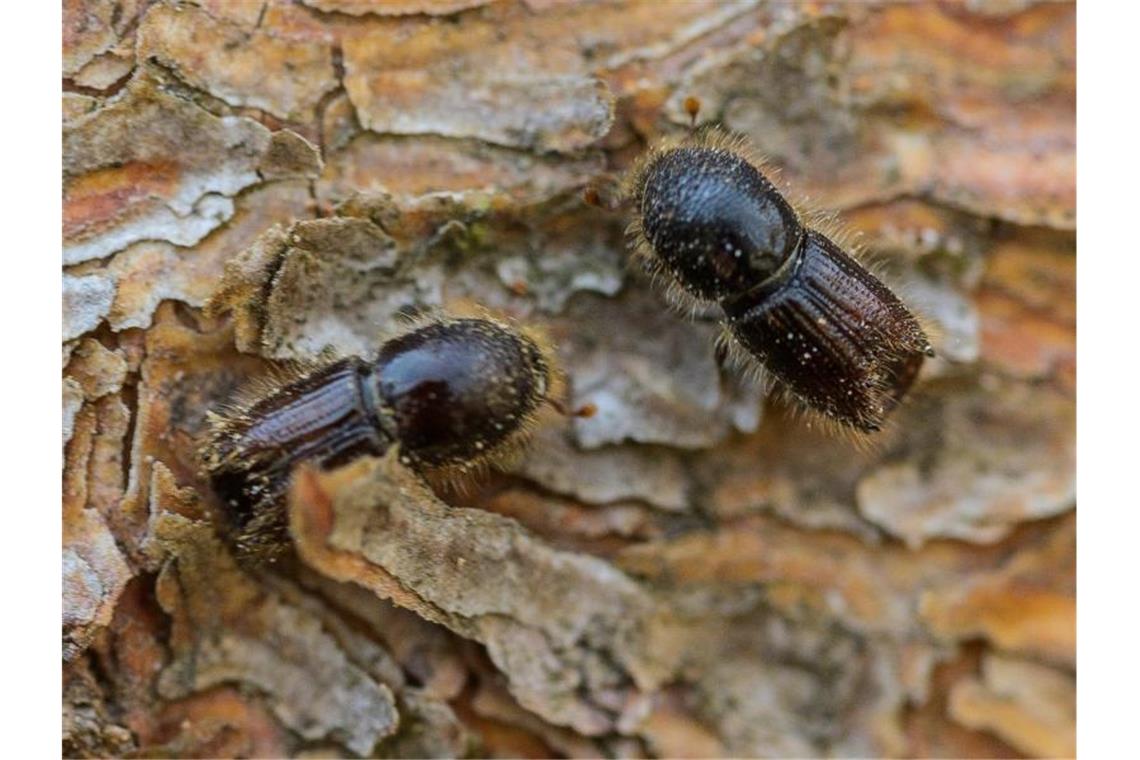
(710, 224)
(455, 394)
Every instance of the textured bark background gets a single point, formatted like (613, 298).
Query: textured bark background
(690, 572)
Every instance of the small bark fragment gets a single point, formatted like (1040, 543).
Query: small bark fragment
(495, 584)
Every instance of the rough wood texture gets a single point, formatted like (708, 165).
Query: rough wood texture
(689, 572)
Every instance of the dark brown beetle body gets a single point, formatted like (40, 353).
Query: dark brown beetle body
(454, 394)
(327, 417)
(836, 338)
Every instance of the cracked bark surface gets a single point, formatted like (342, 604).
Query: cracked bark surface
(691, 572)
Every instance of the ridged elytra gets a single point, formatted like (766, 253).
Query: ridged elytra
(715, 227)
(456, 395)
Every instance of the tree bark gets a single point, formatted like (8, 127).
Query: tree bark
(695, 570)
